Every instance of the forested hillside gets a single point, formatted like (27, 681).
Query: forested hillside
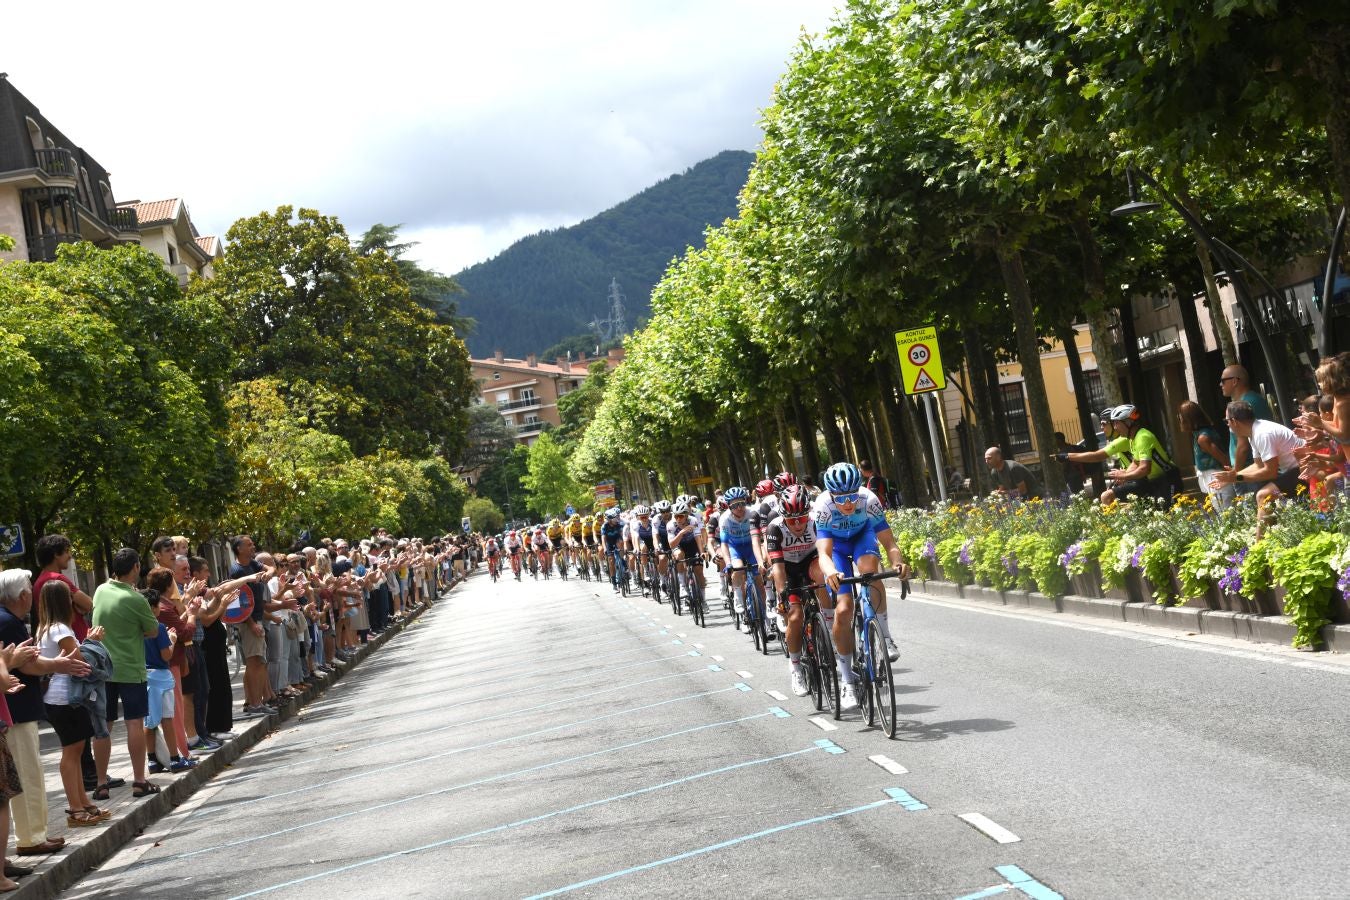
(550, 285)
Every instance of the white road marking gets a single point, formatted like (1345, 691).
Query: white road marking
(719, 659)
(745, 675)
(889, 764)
(776, 695)
(824, 724)
(990, 828)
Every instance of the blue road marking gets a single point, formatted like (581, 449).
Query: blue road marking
(904, 799)
(529, 821)
(1026, 884)
(779, 712)
(711, 848)
(677, 641)
(694, 653)
(829, 746)
(741, 686)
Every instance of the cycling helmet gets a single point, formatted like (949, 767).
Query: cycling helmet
(795, 502)
(641, 511)
(1126, 412)
(576, 517)
(736, 494)
(661, 506)
(538, 529)
(554, 523)
(721, 502)
(784, 480)
(680, 508)
(843, 478)
(764, 488)
(612, 513)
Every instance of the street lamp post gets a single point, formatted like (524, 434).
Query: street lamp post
(1234, 263)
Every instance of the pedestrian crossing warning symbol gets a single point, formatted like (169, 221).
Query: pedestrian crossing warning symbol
(920, 361)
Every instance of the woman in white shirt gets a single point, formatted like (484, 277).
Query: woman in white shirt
(71, 723)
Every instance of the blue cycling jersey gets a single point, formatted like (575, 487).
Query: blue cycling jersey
(734, 530)
(612, 533)
(831, 522)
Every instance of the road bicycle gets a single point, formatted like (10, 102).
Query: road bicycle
(693, 589)
(561, 559)
(515, 564)
(495, 567)
(618, 577)
(822, 674)
(870, 661)
(647, 576)
(534, 567)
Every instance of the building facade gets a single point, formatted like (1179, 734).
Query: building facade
(526, 391)
(51, 191)
(166, 230)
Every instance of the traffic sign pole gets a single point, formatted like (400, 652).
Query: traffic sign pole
(939, 477)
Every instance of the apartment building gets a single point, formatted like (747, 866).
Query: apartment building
(166, 229)
(51, 191)
(526, 391)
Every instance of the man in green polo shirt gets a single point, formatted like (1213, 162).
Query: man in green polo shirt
(127, 620)
(1117, 448)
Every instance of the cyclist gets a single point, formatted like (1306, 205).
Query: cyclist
(849, 526)
(661, 538)
(555, 533)
(543, 548)
(493, 551)
(582, 547)
(640, 534)
(685, 536)
(715, 513)
(574, 531)
(764, 509)
(738, 549)
(513, 548)
(790, 541)
(612, 538)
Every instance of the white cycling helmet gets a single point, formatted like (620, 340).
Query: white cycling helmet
(681, 507)
(612, 512)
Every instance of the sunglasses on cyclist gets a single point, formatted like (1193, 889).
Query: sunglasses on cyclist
(796, 520)
(741, 504)
(682, 515)
(845, 498)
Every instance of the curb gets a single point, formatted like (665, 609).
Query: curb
(74, 863)
(1195, 620)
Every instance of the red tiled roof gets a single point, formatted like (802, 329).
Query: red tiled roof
(155, 212)
(524, 366)
(210, 245)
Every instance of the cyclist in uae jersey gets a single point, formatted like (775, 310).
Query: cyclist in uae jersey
(850, 523)
(790, 542)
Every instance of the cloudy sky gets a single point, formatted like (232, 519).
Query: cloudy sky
(471, 123)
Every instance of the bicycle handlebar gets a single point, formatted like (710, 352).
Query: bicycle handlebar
(865, 578)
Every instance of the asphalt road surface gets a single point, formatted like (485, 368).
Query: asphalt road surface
(541, 738)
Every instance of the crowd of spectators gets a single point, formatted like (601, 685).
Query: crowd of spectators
(152, 648)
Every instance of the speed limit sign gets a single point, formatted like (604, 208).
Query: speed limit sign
(920, 360)
(919, 355)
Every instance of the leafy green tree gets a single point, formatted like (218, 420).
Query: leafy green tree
(548, 480)
(487, 439)
(502, 482)
(354, 353)
(429, 289)
(484, 516)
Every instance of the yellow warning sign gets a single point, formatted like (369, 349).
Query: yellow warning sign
(920, 360)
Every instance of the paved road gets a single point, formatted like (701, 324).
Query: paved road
(531, 738)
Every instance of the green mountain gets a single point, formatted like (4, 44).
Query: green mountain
(550, 285)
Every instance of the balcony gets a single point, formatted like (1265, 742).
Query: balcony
(57, 163)
(123, 218)
(529, 428)
(506, 406)
(42, 248)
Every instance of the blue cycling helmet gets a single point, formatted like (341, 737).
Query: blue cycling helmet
(735, 494)
(843, 478)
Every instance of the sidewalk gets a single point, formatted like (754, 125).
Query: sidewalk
(1275, 630)
(87, 848)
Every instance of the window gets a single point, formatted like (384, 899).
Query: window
(34, 134)
(1161, 301)
(173, 254)
(1015, 415)
(1096, 394)
(527, 394)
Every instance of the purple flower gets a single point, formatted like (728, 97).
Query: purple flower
(1010, 564)
(964, 556)
(1066, 560)
(1137, 556)
(1344, 584)
(1232, 575)
(929, 550)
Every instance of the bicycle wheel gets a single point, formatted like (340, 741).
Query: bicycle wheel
(883, 687)
(825, 659)
(675, 589)
(696, 602)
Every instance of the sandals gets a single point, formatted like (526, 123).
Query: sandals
(100, 792)
(143, 788)
(96, 811)
(82, 818)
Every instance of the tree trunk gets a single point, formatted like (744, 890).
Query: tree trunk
(1024, 325)
(985, 427)
(806, 434)
(1098, 318)
(829, 426)
(998, 414)
(1206, 379)
(1131, 340)
(784, 440)
(863, 443)
(1069, 338)
(909, 426)
(906, 461)
(740, 468)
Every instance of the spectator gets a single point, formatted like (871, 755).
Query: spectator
(1273, 471)
(10, 786)
(252, 639)
(1151, 472)
(56, 638)
(127, 621)
(1235, 384)
(26, 710)
(281, 589)
(215, 653)
(1328, 431)
(875, 483)
(1075, 474)
(1211, 456)
(180, 620)
(1114, 444)
(1010, 476)
(207, 605)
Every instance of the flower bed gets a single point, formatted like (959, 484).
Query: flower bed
(1188, 554)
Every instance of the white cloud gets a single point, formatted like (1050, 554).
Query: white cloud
(466, 122)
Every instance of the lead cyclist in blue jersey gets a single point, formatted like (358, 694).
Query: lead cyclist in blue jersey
(738, 551)
(850, 524)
